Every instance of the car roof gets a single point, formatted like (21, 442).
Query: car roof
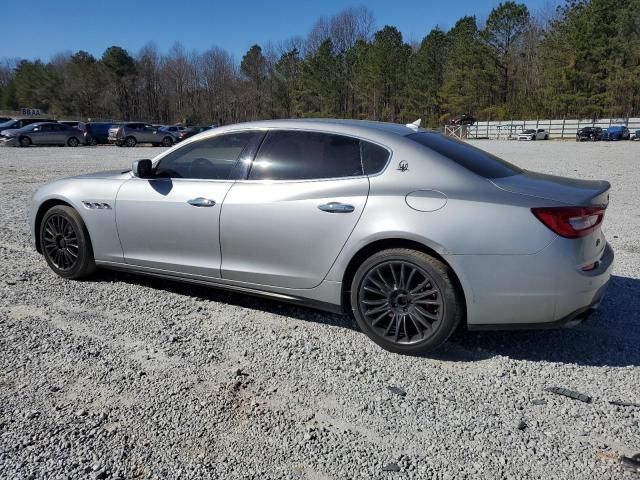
(363, 128)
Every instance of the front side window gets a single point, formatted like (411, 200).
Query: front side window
(211, 159)
(299, 155)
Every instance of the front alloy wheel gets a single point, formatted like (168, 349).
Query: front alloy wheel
(65, 244)
(405, 301)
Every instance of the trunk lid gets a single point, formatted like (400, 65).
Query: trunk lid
(569, 191)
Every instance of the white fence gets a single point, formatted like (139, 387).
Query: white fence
(564, 128)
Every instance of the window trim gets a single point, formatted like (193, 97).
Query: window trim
(240, 176)
(327, 132)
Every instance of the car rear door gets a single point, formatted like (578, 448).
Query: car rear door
(170, 222)
(286, 224)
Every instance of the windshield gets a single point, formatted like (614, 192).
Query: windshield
(474, 159)
(528, 131)
(7, 124)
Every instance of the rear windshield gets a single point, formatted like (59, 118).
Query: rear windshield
(472, 158)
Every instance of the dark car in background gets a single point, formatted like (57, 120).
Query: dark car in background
(616, 132)
(95, 133)
(129, 134)
(466, 119)
(17, 123)
(592, 134)
(191, 131)
(42, 133)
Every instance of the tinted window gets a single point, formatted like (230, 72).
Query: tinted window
(472, 158)
(292, 155)
(213, 158)
(374, 157)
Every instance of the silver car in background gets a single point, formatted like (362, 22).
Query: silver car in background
(411, 231)
(129, 134)
(42, 133)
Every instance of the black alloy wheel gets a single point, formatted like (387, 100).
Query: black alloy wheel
(406, 301)
(65, 243)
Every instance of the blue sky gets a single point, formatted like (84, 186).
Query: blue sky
(39, 29)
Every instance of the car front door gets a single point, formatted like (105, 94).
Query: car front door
(41, 135)
(170, 222)
(286, 224)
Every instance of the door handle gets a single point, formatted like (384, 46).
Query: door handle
(201, 202)
(336, 207)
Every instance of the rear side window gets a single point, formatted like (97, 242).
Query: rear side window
(298, 155)
(478, 161)
(374, 157)
(210, 159)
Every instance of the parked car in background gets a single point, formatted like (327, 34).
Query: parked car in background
(466, 119)
(533, 134)
(95, 133)
(178, 131)
(616, 132)
(637, 135)
(43, 133)
(411, 231)
(191, 131)
(592, 134)
(17, 123)
(129, 134)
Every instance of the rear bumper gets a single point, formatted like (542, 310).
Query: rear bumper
(574, 318)
(545, 290)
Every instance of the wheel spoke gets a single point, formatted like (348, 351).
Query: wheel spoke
(401, 281)
(377, 309)
(375, 302)
(428, 302)
(375, 290)
(380, 317)
(426, 314)
(393, 275)
(425, 324)
(426, 293)
(384, 281)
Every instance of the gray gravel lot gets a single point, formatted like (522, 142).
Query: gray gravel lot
(130, 377)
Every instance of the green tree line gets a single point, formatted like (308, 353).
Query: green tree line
(580, 60)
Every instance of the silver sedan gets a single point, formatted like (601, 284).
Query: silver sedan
(412, 232)
(42, 133)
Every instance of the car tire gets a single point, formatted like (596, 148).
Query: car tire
(25, 141)
(65, 243)
(167, 142)
(406, 301)
(73, 142)
(546, 137)
(130, 142)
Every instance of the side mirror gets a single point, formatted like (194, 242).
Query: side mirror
(142, 168)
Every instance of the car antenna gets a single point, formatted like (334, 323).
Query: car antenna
(414, 125)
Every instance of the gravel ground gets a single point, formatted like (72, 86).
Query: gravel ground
(130, 377)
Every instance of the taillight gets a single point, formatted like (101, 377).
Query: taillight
(570, 222)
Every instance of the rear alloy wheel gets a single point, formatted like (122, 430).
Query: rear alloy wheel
(65, 244)
(167, 142)
(73, 142)
(130, 142)
(25, 141)
(406, 301)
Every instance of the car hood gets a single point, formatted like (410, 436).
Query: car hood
(10, 132)
(565, 190)
(109, 174)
